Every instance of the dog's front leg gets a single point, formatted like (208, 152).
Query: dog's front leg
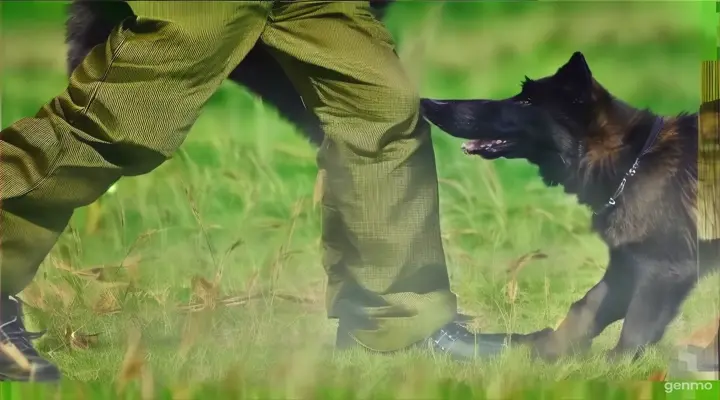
(604, 304)
(662, 285)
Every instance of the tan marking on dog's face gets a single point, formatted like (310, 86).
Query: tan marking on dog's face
(606, 134)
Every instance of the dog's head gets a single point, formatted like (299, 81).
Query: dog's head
(546, 123)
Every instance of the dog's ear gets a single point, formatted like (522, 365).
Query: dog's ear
(576, 70)
(575, 77)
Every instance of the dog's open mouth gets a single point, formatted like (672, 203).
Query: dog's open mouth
(488, 148)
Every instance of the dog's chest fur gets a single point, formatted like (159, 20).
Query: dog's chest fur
(660, 203)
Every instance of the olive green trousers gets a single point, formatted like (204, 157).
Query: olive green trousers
(130, 104)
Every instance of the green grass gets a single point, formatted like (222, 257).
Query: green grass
(238, 196)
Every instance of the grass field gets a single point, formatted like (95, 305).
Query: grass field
(238, 198)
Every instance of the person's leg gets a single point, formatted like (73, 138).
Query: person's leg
(127, 108)
(381, 230)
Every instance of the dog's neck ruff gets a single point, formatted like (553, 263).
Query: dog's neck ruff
(652, 138)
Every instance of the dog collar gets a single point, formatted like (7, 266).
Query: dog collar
(652, 138)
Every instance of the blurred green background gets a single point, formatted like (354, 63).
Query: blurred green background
(250, 178)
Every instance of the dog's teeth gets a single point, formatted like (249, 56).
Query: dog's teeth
(498, 141)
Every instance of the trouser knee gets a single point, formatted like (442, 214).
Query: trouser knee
(395, 116)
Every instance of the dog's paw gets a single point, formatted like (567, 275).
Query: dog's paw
(542, 343)
(528, 338)
(548, 349)
(533, 336)
(549, 346)
(621, 355)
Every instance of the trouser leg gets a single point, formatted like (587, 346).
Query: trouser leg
(127, 108)
(381, 231)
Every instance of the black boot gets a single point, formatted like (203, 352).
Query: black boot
(452, 339)
(19, 361)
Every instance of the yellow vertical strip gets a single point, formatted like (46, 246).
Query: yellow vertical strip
(709, 153)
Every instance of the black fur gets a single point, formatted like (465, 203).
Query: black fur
(91, 21)
(586, 140)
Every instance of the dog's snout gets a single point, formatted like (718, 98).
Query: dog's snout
(429, 106)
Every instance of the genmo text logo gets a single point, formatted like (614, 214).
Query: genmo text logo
(689, 386)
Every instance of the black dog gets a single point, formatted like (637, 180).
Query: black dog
(91, 21)
(637, 171)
